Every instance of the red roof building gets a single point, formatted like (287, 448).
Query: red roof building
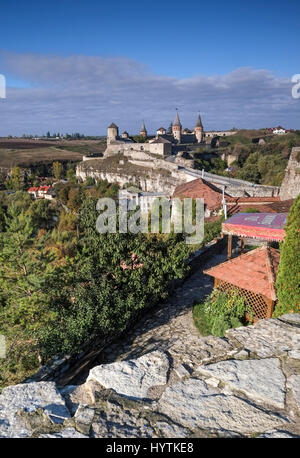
(202, 189)
(40, 191)
(253, 274)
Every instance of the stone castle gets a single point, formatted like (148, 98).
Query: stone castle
(162, 144)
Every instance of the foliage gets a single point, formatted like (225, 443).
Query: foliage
(219, 312)
(106, 295)
(24, 267)
(15, 180)
(57, 170)
(251, 210)
(140, 139)
(288, 278)
(212, 229)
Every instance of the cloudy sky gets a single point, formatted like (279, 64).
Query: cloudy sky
(78, 66)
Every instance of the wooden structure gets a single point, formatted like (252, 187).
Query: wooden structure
(253, 275)
(260, 226)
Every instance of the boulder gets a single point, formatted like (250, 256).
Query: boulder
(29, 397)
(133, 378)
(266, 338)
(259, 379)
(192, 404)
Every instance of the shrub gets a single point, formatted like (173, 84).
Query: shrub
(288, 278)
(219, 312)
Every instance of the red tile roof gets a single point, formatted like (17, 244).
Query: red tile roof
(262, 204)
(39, 188)
(254, 271)
(200, 188)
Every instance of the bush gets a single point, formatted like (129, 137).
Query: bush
(288, 278)
(219, 312)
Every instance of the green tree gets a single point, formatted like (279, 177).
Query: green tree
(139, 139)
(71, 175)
(24, 267)
(41, 213)
(15, 181)
(288, 278)
(57, 170)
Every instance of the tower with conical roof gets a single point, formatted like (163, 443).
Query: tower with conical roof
(198, 129)
(112, 133)
(176, 128)
(143, 131)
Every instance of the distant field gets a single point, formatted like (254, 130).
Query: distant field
(30, 152)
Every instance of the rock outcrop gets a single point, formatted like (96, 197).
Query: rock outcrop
(290, 187)
(250, 389)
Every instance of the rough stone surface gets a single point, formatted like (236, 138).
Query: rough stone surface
(291, 318)
(133, 378)
(277, 434)
(83, 418)
(294, 382)
(194, 405)
(28, 397)
(290, 186)
(261, 380)
(68, 433)
(267, 338)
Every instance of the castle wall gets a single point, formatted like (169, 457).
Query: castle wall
(163, 149)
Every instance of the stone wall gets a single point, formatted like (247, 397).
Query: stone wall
(290, 187)
(252, 191)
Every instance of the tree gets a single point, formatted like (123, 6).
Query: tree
(41, 213)
(74, 198)
(24, 268)
(15, 181)
(57, 170)
(71, 175)
(139, 139)
(288, 278)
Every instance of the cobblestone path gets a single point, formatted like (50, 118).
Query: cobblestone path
(170, 327)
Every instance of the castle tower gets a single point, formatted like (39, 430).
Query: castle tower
(112, 133)
(143, 131)
(176, 128)
(199, 130)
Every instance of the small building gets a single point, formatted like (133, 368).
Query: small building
(160, 146)
(202, 189)
(33, 191)
(161, 131)
(253, 275)
(41, 192)
(141, 198)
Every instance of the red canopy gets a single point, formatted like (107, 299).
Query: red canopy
(264, 226)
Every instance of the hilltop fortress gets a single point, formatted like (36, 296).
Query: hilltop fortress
(163, 144)
(162, 161)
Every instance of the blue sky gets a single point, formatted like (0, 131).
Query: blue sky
(129, 61)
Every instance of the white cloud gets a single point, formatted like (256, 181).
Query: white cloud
(85, 94)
